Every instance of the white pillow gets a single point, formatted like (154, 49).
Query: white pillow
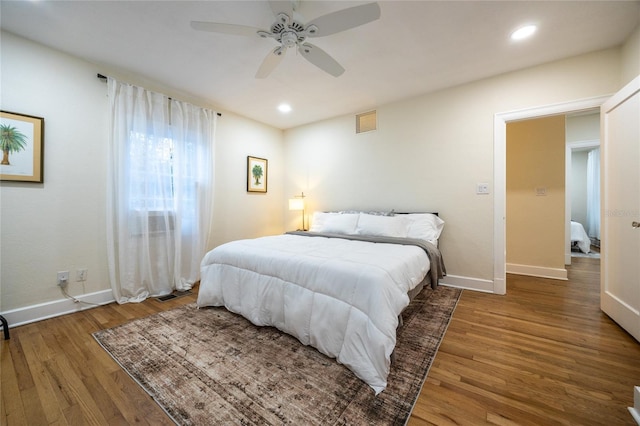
(319, 218)
(340, 224)
(424, 226)
(382, 226)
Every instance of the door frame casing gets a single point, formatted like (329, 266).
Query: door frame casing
(500, 173)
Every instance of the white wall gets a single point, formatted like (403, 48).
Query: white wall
(430, 151)
(60, 224)
(583, 127)
(631, 57)
(238, 213)
(578, 190)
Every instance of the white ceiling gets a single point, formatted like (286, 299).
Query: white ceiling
(414, 48)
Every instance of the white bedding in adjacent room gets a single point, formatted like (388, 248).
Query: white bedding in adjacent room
(579, 237)
(341, 296)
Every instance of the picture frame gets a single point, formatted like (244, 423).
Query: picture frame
(21, 147)
(257, 175)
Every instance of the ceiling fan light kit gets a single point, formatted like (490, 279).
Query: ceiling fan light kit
(289, 33)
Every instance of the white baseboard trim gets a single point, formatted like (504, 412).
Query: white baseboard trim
(635, 410)
(468, 283)
(537, 271)
(29, 314)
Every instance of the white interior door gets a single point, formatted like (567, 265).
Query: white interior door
(620, 267)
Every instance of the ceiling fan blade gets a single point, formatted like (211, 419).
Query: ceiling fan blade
(271, 61)
(321, 59)
(216, 27)
(345, 19)
(282, 6)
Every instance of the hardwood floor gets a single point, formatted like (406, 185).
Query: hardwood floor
(55, 373)
(543, 354)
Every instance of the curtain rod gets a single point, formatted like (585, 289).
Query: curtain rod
(104, 78)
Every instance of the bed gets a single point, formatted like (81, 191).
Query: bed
(579, 237)
(341, 287)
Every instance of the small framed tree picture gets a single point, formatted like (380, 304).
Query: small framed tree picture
(256, 174)
(21, 147)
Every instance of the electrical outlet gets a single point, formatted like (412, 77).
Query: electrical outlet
(81, 274)
(63, 278)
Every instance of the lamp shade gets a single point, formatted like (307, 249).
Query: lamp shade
(296, 204)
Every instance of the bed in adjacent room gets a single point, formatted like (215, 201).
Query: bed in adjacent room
(579, 237)
(340, 287)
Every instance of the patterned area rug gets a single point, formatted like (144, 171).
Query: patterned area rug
(209, 366)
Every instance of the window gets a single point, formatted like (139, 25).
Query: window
(159, 191)
(151, 173)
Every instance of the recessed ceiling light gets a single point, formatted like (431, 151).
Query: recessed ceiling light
(523, 32)
(284, 108)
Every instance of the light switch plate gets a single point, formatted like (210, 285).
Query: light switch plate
(482, 188)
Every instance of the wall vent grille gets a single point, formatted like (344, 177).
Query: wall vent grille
(366, 122)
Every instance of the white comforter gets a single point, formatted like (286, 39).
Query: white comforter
(340, 296)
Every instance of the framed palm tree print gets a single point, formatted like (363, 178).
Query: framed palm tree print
(21, 147)
(256, 174)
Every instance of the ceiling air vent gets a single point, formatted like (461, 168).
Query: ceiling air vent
(366, 122)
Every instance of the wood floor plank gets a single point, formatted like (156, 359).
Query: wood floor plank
(34, 410)
(68, 379)
(19, 361)
(46, 395)
(11, 404)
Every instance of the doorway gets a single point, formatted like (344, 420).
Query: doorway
(499, 152)
(582, 237)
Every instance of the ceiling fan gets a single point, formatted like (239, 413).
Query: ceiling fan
(289, 32)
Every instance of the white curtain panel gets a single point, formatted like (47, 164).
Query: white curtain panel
(593, 193)
(159, 191)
